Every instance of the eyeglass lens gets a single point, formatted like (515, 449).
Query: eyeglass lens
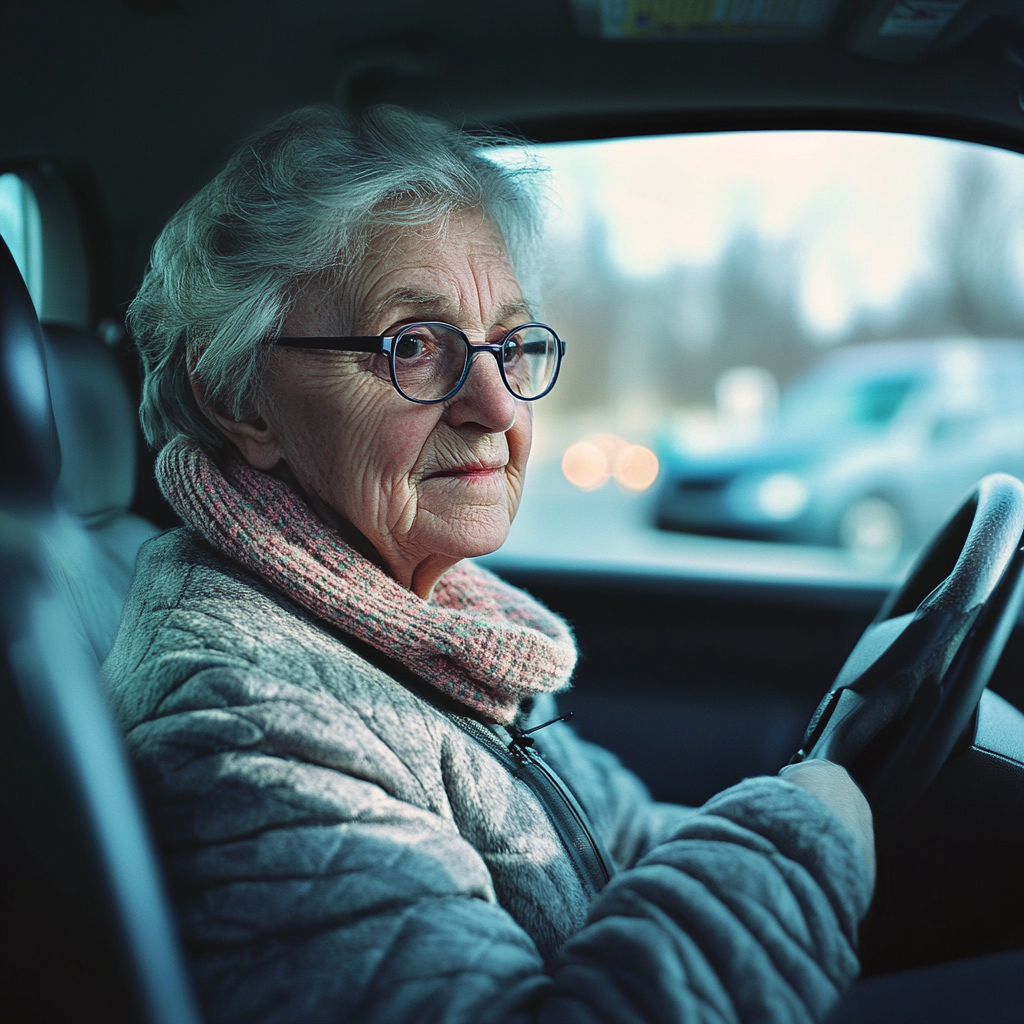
(430, 359)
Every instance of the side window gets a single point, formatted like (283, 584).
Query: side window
(21, 229)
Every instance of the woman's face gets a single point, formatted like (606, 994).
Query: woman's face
(426, 485)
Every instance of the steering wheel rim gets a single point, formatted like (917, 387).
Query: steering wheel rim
(913, 681)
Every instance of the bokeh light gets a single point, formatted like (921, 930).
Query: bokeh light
(636, 467)
(585, 465)
(592, 461)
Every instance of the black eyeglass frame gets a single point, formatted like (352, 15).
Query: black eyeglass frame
(385, 345)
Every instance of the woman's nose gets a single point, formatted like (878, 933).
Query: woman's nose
(483, 398)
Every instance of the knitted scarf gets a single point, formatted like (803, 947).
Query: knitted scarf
(477, 639)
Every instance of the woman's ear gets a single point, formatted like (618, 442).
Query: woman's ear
(254, 438)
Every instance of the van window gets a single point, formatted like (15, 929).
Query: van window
(765, 333)
(843, 403)
(21, 229)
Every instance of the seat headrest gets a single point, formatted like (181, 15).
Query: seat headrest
(31, 459)
(96, 424)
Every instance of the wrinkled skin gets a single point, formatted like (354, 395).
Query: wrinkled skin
(416, 487)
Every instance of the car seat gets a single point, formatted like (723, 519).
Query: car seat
(96, 430)
(85, 927)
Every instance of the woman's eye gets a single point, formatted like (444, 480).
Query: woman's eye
(412, 346)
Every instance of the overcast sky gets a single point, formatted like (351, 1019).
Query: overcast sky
(860, 207)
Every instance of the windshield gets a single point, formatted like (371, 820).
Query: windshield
(713, 287)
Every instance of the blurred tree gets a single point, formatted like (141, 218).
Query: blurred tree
(975, 288)
(974, 251)
(584, 298)
(761, 325)
(666, 338)
(747, 315)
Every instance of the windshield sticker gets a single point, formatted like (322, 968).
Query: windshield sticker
(920, 18)
(674, 19)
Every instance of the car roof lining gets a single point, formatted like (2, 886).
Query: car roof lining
(154, 96)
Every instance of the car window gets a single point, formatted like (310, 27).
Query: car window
(787, 352)
(836, 403)
(20, 228)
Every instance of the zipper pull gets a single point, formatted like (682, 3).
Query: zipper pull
(519, 745)
(544, 725)
(522, 742)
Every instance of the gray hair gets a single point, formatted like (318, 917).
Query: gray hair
(302, 198)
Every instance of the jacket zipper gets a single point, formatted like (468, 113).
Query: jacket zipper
(593, 867)
(568, 818)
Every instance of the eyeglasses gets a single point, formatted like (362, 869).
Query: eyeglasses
(429, 362)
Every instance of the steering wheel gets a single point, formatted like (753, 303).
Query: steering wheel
(911, 685)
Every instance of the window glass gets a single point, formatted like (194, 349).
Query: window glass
(841, 404)
(20, 228)
(789, 353)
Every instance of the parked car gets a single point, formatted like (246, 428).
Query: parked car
(870, 450)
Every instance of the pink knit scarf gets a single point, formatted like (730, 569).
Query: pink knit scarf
(478, 639)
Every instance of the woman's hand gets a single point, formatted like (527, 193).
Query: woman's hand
(832, 785)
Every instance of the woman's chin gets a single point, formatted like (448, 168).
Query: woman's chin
(480, 533)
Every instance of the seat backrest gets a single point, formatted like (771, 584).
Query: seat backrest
(96, 428)
(85, 926)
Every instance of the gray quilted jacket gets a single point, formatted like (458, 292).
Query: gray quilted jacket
(341, 847)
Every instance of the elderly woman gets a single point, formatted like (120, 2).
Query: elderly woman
(332, 712)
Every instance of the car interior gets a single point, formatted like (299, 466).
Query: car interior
(116, 112)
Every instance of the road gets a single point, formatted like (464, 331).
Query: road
(560, 525)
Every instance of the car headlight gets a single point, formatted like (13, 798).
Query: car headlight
(782, 496)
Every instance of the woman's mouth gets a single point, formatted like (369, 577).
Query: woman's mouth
(469, 472)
